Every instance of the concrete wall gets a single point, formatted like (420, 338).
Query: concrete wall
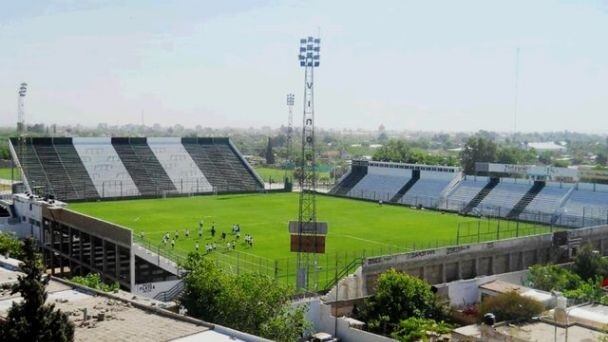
(320, 315)
(466, 291)
(447, 264)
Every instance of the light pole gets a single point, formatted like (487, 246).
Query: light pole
(21, 123)
(309, 58)
(289, 161)
(21, 108)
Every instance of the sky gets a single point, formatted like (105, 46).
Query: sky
(410, 65)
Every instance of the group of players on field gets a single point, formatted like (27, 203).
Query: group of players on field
(230, 243)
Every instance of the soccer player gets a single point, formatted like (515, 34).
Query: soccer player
(187, 233)
(173, 244)
(196, 247)
(213, 231)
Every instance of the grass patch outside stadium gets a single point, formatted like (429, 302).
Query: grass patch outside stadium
(5, 173)
(356, 228)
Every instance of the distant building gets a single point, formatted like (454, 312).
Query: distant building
(546, 146)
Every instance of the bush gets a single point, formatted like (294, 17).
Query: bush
(552, 278)
(587, 291)
(93, 280)
(10, 245)
(589, 264)
(415, 329)
(511, 306)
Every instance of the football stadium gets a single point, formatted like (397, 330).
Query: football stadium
(178, 196)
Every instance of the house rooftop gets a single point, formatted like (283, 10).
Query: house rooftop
(114, 317)
(531, 331)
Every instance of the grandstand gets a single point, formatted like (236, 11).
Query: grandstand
(93, 168)
(534, 198)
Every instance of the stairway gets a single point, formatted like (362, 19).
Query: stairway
(32, 167)
(404, 189)
(75, 168)
(356, 174)
(145, 182)
(524, 201)
(153, 167)
(481, 195)
(55, 170)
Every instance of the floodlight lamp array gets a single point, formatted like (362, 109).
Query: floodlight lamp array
(310, 49)
(290, 99)
(23, 89)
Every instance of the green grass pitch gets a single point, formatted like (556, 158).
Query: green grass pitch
(354, 226)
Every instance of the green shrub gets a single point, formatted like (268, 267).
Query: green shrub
(552, 278)
(415, 329)
(586, 291)
(93, 280)
(511, 306)
(589, 264)
(10, 245)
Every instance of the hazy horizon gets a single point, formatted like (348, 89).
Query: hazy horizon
(412, 66)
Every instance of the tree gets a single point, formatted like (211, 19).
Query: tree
(601, 159)
(477, 149)
(249, 302)
(515, 155)
(269, 153)
(398, 296)
(511, 306)
(32, 320)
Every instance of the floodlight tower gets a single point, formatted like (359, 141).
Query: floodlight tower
(290, 102)
(21, 125)
(309, 58)
(21, 109)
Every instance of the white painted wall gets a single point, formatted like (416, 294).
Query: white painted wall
(465, 292)
(179, 165)
(30, 217)
(109, 175)
(319, 314)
